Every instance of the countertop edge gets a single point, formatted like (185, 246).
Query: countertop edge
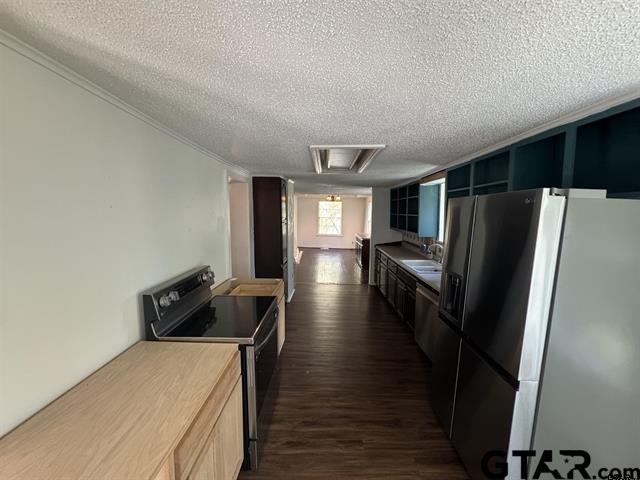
(400, 264)
(50, 414)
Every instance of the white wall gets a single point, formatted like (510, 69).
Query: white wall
(380, 231)
(353, 214)
(95, 206)
(367, 216)
(291, 239)
(240, 229)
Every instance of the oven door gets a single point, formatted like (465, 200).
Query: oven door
(262, 385)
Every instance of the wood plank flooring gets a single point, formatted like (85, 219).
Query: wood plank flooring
(330, 266)
(353, 400)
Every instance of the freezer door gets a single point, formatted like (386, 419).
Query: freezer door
(458, 232)
(511, 271)
(483, 413)
(444, 371)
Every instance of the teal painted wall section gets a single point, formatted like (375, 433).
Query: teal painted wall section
(429, 210)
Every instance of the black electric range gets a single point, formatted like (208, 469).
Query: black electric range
(226, 318)
(184, 309)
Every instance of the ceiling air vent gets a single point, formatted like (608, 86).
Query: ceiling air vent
(343, 158)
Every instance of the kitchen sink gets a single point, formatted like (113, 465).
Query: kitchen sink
(420, 263)
(422, 267)
(423, 270)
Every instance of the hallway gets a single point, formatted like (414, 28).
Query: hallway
(353, 401)
(335, 266)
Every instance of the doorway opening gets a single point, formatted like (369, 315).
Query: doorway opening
(240, 228)
(329, 229)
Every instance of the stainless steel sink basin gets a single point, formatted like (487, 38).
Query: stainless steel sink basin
(422, 267)
(420, 263)
(427, 269)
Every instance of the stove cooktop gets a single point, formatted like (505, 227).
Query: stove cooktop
(225, 317)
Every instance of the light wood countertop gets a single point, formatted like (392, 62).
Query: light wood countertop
(124, 420)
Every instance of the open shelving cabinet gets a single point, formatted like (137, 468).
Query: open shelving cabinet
(405, 207)
(601, 151)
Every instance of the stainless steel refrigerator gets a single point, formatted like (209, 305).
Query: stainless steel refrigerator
(503, 271)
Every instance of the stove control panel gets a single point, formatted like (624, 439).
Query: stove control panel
(205, 277)
(169, 298)
(168, 302)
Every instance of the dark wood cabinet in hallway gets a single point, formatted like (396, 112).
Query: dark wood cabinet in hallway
(353, 399)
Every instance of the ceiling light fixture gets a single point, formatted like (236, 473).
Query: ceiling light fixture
(333, 198)
(343, 158)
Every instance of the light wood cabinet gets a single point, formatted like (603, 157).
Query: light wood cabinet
(221, 456)
(167, 471)
(227, 438)
(159, 411)
(204, 468)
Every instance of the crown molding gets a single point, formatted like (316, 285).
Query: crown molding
(59, 69)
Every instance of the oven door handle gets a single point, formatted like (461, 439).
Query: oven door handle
(262, 344)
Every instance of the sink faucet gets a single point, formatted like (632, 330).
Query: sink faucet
(423, 247)
(435, 249)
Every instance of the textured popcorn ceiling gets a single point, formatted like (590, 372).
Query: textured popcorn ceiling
(257, 82)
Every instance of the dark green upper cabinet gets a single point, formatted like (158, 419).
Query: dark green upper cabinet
(459, 178)
(491, 170)
(601, 151)
(608, 154)
(539, 163)
(405, 208)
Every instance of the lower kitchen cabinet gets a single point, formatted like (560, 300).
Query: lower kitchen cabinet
(222, 454)
(362, 251)
(401, 298)
(392, 283)
(212, 448)
(183, 420)
(397, 286)
(410, 308)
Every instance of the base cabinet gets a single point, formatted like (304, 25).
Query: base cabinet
(410, 308)
(167, 472)
(222, 454)
(204, 468)
(397, 286)
(183, 420)
(392, 283)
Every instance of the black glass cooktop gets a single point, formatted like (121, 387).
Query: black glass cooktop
(225, 317)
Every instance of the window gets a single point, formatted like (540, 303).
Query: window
(442, 212)
(329, 218)
(432, 209)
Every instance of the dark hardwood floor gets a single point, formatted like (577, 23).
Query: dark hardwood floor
(330, 266)
(353, 398)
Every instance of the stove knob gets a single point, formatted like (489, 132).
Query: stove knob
(169, 298)
(206, 277)
(164, 301)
